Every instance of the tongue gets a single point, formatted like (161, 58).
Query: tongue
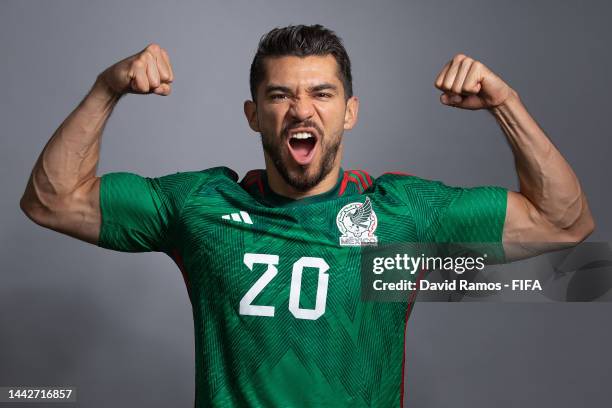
(301, 149)
(301, 146)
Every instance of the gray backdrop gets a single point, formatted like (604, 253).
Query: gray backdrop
(119, 325)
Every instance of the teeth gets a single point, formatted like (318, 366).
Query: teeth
(302, 135)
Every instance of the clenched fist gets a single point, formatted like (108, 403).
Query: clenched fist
(148, 71)
(469, 84)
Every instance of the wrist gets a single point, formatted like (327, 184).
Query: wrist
(102, 90)
(512, 100)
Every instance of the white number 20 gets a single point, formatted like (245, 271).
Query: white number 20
(248, 308)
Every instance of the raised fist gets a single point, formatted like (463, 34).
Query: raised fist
(469, 84)
(148, 71)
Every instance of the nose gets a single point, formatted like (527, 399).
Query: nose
(301, 109)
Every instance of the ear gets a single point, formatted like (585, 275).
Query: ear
(351, 113)
(250, 111)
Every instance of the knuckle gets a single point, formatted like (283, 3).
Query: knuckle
(139, 83)
(138, 63)
(153, 47)
(164, 76)
(458, 57)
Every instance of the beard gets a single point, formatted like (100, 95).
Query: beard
(301, 179)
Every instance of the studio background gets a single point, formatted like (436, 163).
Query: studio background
(119, 326)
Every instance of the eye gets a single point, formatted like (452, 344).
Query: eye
(324, 95)
(278, 97)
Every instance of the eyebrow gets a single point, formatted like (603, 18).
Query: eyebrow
(323, 87)
(316, 88)
(274, 88)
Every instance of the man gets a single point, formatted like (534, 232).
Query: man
(271, 262)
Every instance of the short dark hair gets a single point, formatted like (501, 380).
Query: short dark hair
(301, 41)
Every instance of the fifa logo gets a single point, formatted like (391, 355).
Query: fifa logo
(357, 223)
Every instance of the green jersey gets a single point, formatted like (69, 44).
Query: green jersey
(274, 282)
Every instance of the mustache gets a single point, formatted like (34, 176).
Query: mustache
(307, 123)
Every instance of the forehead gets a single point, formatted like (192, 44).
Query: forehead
(291, 70)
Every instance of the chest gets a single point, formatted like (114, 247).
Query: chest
(296, 261)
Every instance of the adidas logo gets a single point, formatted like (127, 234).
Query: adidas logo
(242, 216)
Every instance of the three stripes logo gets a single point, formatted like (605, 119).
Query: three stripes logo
(241, 216)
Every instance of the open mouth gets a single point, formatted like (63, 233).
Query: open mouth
(302, 146)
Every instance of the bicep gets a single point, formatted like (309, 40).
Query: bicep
(77, 215)
(528, 233)
(120, 211)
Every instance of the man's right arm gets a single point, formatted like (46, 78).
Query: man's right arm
(63, 191)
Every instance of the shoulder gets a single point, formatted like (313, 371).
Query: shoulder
(211, 173)
(181, 185)
(394, 177)
(435, 193)
(195, 178)
(411, 187)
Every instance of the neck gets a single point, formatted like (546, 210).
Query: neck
(278, 184)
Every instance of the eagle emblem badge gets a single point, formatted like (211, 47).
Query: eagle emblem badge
(357, 223)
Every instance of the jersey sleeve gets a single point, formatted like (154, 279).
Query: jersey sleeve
(138, 213)
(474, 219)
(443, 213)
(475, 214)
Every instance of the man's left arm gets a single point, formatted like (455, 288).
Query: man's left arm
(550, 211)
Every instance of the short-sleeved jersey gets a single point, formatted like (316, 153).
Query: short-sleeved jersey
(274, 282)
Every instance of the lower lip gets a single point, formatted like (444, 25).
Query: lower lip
(301, 159)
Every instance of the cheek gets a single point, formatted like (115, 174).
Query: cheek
(333, 120)
(271, 118)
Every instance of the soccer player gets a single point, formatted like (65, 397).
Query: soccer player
(271, 260)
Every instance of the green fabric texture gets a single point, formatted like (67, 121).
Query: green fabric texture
(277, 312)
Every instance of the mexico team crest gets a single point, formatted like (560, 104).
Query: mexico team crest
(357, 223)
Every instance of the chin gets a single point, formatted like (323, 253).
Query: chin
(303, 178)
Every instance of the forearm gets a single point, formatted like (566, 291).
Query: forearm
(545, 177)
(70, 158)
